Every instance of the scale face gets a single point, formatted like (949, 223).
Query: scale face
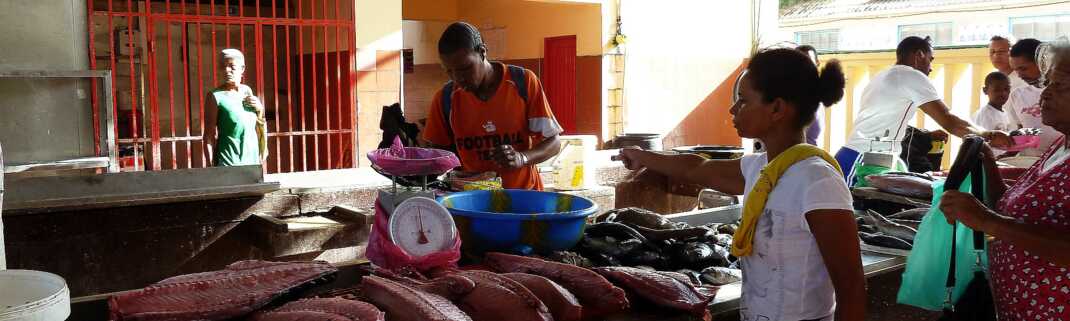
(421, 226)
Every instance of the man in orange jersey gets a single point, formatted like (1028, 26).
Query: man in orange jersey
(495, 116)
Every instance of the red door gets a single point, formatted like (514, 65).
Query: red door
(559, 79)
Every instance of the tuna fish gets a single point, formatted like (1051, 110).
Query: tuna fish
(902, 184)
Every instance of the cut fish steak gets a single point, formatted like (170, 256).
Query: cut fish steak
(349, 310)
(562, 304)
(659, 288)
(404, 303)
(483, 295)
(237, 290)
(298, 316)
(900, 184)
(598, 296)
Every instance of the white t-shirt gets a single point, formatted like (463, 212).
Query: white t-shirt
(1023, 108)
(1016, 81)
(990, 118)
(785, 278)
(888, 104)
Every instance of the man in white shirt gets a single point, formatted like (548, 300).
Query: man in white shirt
(999, 53)
(892, 98)
(990, 116)
(1023, 106)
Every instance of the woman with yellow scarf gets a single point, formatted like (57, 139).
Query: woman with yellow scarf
(798, 243)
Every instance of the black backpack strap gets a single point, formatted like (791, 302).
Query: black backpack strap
(977, 188)
(447, 106)
(520, 78)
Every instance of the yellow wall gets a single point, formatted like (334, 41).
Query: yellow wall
(378, 24)
(430, 10)
(528, 23)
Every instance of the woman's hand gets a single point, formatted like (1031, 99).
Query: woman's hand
(997, 138)
(963, 207)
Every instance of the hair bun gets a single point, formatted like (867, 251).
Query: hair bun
(830, 83)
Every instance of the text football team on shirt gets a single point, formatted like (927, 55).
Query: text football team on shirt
(802, 258)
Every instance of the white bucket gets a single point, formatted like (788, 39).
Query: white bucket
(33, 296)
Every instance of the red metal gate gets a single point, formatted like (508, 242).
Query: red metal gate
(163, 55)
(559, 79)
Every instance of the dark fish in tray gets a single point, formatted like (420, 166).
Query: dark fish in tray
(729, 229)
(884, 241)
(616, 230)
(635, 216)
(694, 276)
(674, 234)
(723, 240)
(594, 245)
(719, 275)
(867, 228)
(647, 258)
(915, 214)
(698, 255)
(900, 184)
(918, 175)
(909, 223)
(890, 228)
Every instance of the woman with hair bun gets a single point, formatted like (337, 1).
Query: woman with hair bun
(797, 243)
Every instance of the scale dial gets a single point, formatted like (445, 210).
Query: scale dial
(421, 226)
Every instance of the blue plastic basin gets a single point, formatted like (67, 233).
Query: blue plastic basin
(518, 221)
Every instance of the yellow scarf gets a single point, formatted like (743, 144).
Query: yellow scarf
(743, 240)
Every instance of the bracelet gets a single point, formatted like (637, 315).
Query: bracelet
(523, 159)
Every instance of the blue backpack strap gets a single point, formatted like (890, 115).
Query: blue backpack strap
(447, 102)
(520, 78)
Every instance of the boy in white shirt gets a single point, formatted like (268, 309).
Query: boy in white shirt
(990, 116)
(1023, 105)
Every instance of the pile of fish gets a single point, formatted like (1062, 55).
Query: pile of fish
(510, 288)
(895, 231)
(903, 183)
(643, 239)
(520, 288)
(241, 288)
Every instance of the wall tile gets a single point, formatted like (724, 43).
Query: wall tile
(388, 59)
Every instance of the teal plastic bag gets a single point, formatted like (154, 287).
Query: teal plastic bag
(925, 277)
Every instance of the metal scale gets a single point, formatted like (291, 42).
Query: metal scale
(418, 224)
(880, 157)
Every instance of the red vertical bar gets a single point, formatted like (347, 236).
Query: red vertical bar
(154, 102)
(201, 93)
(315, 93)
(93, 82)
(338, 82)
(258, 34)
(189, 92)
(226, 26)
(171, 91)
(301, 84)
(275, 77)
(112, 46)
(241, 29)
(351, 39)
(326, 90)
(316, 105)
(289, 97)
(133, 84)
